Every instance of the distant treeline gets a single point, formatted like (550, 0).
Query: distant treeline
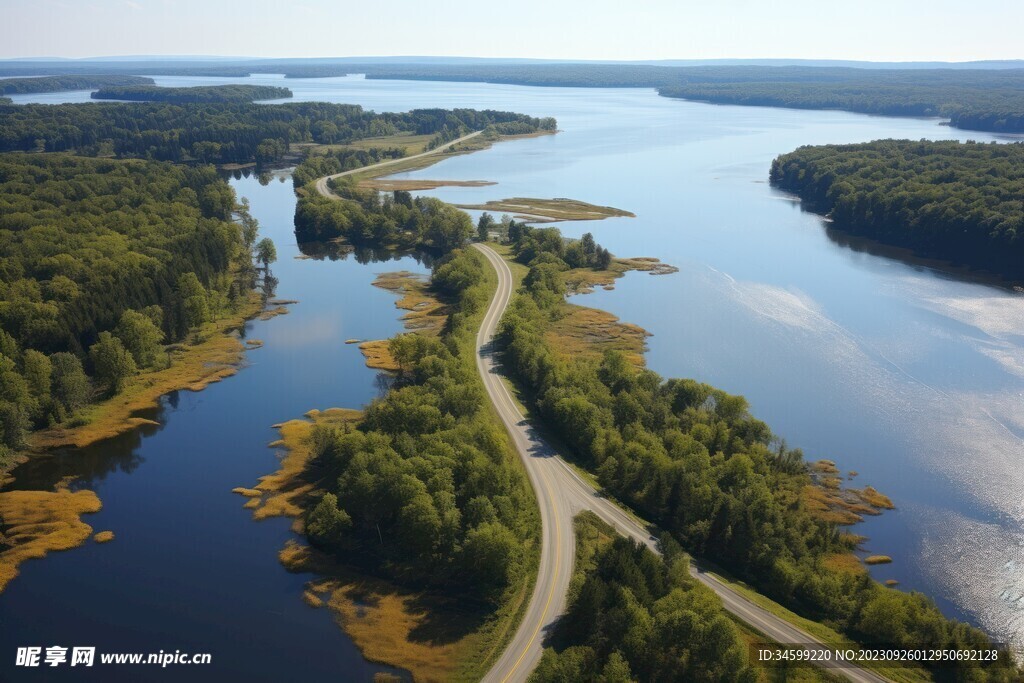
(219, 133)
(996, 110)
(22, 86)
(199, 94)
(956, 201)
(990, 100)
(974, 99)
(102, 263)
(693, 460)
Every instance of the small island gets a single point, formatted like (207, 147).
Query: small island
(203, 94)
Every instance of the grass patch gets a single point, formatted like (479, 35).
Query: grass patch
(584, 280)
(582, 331)
(434, 637)
(384, 185)
(476, 144)
(104, 537)
(282, 493)
(38, 522)
(559, 209)
(424, 314)
(877, 559)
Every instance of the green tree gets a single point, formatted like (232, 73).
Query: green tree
(141, 336)
(484, 226)
(194, 300)
(326, 523)
(266, 252)
(493, 553)
(70, 388)
(112, 362)
(37, 370)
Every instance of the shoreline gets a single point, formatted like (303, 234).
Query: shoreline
(194, 367)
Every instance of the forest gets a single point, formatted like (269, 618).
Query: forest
(366, 218)
(634, 616)
(202, 94)
(102, 263)
(219, 132)
(955, 201)
(38, 84)
(426, 490)
(691, 458)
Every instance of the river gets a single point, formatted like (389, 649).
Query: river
(911, 375)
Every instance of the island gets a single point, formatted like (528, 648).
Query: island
(955, 201)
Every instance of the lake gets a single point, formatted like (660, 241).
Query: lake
(910, 375)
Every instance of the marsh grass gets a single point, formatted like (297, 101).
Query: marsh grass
(38, 522)
(559, 209)
(425, 314)
(589, 332)
(585, 280)
(283, 493)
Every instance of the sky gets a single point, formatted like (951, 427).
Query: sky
(874, 30)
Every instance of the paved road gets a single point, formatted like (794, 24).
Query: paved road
(561, 494)
(321, 184)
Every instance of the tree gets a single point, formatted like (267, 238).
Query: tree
(112, 362)
(326, 524)
(493, 554)
(37, 370)
(266, 252)
(70, 388)
(483, 226)
(15, 401)
(603, 259)
(194, 300)
(140, 336)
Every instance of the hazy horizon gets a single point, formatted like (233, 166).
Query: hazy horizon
(601, 30)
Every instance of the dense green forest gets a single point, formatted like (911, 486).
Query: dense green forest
(365, 217)
(202, 94)
(221, 132)
(426, 489)
(990, 100)
(693, 460)
(102, 262)
(952, 200)
(633, 616)
(38, 84)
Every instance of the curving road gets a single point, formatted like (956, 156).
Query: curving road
(561, 494)
(322, 187)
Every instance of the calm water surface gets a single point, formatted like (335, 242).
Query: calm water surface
(911, 376)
